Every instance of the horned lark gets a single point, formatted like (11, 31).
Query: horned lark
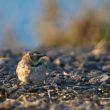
(32, 67)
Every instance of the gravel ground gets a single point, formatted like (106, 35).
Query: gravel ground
(80, 80)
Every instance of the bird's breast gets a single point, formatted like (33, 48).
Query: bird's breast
(38, 74)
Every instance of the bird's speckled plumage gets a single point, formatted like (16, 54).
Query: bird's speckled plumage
(32, 68)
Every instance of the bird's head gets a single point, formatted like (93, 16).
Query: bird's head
(38, 58)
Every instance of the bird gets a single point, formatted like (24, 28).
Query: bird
(32, 67)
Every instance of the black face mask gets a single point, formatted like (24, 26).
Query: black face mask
(38, 64)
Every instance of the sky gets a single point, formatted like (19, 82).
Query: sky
(21, 16)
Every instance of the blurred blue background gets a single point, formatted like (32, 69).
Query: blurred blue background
(19, 18)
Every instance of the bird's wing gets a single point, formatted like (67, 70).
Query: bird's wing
(23, 68)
